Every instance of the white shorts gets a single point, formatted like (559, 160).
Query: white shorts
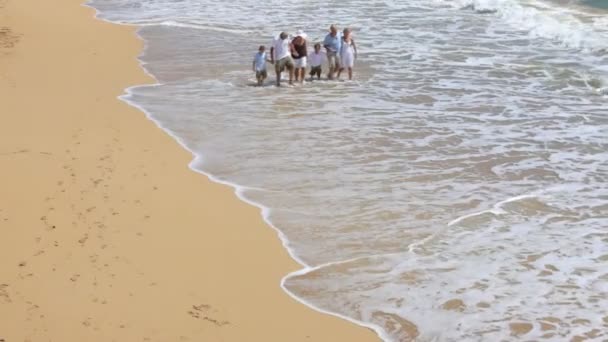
(300, 62)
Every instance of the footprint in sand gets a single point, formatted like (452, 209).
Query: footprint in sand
(200, 312)
(8, 38)
(4, 296)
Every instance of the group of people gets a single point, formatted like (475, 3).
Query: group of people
(292, 55)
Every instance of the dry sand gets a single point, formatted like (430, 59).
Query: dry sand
(105, 234)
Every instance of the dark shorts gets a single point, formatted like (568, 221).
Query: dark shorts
(316, 70)
(283, 63)
(261, 73)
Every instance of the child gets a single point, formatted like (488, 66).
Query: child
(259, 65)
(316, 59)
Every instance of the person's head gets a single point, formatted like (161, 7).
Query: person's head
(346, 32)
(283, 35)
(262, 49)
(317, 47)
(301, 34)
(333, 30)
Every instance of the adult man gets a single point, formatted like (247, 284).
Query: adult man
(332, 44)
(280, 55)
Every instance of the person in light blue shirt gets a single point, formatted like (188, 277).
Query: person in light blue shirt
(259, 65)
(332, 44)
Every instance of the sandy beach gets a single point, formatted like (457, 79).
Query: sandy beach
(106, 235)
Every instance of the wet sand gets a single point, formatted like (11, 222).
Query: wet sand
(105, 233)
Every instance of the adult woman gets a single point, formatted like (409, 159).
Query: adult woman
(299, 55)
(348, 53)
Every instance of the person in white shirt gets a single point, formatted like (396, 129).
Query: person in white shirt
(316, 60)
(259, 65)
(280, 56)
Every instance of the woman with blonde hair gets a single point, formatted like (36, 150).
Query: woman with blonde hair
(348, 53)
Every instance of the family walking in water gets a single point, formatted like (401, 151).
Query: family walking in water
(292, 55)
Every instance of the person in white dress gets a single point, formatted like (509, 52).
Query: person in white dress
(348, 53)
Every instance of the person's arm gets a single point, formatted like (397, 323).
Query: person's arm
(326, 44)
(253, 65)
(272, 55)
(355, 48)
(292, 49)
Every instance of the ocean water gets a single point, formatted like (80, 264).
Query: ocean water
(596, 3)
(456, 190)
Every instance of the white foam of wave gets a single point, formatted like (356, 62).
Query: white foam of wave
(552, 22)
(496, 209)
(209, 27)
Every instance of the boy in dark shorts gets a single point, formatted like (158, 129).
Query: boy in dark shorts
(316, 60)
(259, 65)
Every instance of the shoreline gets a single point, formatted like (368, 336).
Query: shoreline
(118, 240)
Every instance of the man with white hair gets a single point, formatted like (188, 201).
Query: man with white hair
(332, 44)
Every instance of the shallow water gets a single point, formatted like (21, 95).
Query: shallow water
(457, 190)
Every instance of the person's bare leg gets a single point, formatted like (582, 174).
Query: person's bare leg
(278, 72)
(302, 73)
(350, 73)
(291, 75)
(339, 72)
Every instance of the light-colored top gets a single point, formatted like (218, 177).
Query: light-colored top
(333, 43)
(316, 59)
(347, 48)
(260, 61)
(281, 48)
